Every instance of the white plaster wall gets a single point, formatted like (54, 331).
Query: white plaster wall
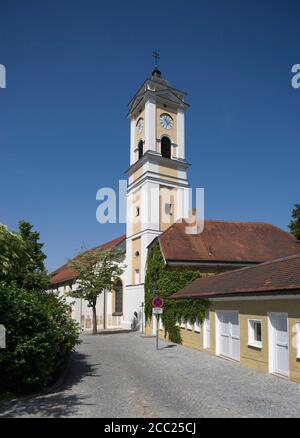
(150, 125)
(132, 140)
(133, 297)
(180, 134)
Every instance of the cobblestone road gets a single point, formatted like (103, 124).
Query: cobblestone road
(122, 375)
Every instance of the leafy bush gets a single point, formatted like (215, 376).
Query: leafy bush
(40, 336)
(13, 255)
(158, 279)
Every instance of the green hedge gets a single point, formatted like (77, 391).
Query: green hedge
(40, 336)
(166, 283)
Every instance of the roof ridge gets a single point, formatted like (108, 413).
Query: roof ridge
(65, 265)
(123, 236)
(267, 278)
(253, 266)
(243, 222)
(182, 220)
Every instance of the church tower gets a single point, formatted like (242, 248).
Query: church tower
(157, 194)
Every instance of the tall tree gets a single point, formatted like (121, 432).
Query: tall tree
(13, 255)
(35, 276)
(96, 271)
(294, 225)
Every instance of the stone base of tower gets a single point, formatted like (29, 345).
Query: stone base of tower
(133, 298)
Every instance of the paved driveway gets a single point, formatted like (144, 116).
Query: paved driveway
(122, 375)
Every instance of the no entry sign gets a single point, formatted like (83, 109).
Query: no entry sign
(157, 302)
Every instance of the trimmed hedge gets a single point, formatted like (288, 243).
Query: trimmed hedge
(158, 279)
(40, 336)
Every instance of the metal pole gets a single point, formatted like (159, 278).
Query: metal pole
(104, 310)
(142, 306)
(157, 328)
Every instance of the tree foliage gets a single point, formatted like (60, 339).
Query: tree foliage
(96, 271)
(39, 331)
(159, 280)
(22, 259)
(35, 276)
(13, 255)
(40, 336)
(294, 225)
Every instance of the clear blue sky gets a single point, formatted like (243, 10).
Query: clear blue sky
(72, 67)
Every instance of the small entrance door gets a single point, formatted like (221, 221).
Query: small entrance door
(206, 331)
(228, 334)
(278, 344)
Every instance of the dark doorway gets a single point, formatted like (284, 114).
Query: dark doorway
(141, 149)
(166, 147)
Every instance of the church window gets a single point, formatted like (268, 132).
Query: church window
(166, 147)
(140, 149)
(189, 325)
(197, 326)
(169, 209)
(137, 276)
(119, 298)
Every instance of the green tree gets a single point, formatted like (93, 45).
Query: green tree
(40, 335)
(35, 275)
(294, 225)
(96, 271)
(13, 255)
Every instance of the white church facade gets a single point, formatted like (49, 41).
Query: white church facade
(157, 196)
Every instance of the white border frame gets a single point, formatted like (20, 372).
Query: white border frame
(255, 344)
(271, 355)
(217, 331)
(206, 322)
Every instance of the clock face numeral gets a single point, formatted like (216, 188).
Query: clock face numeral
(140, 125)
(166, 121)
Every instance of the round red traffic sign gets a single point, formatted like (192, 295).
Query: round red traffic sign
(157, 302)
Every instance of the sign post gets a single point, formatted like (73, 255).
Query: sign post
(142, 306)
(157, 304)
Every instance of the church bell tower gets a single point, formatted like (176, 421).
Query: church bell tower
(157, 194)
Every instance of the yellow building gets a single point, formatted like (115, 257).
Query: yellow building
(254, 316)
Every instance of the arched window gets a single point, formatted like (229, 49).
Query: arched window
(119, 298)
(165, 147)
(141, 149)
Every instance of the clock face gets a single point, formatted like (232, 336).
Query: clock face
(140, 125)
(166, 121)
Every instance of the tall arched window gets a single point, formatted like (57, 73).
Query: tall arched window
(141, 149)
(165, 147)
(119, 298)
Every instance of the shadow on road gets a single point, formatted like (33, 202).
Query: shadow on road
(168, 346)
(60, 402)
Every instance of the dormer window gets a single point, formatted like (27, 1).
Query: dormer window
(165, 147)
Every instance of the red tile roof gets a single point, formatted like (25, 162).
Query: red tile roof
(222, 241)
(64, 273)
(281, 275)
